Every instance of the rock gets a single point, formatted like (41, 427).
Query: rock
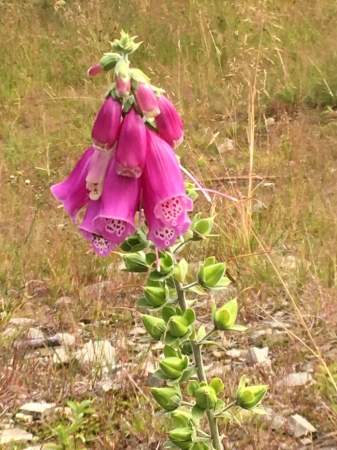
(298, 426)
(27, 418)
(226, 146)
(234, 353)
(16, 435)
(259, 333)
(96, 291)
(61, 356)
(306, 441)
(64, 301)
(257, 355)
(64, 411)
(21, 321)
(67, 339)
(98, 353)
(10, 333)
(107, 386)
(296, 379)
(37, 410)
(36, 447)
(278, 422)
(270, 121)
(34, 333)
(137, 330)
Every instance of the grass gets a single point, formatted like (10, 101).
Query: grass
(228, 69)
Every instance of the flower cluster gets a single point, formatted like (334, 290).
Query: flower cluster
(131, 166)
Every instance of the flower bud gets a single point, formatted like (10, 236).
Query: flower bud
(182, 418)
(182, 437)
(250, 396)
(109, 61)
(178, 326)
(156, 296)
(95, 70)
(135, 262)
(168, 122)
(205, 397)
(225, 317)
(168, 398)
(146, 100)
(173, 366)
(106, 127)
(123, 86)
(154, 326)
(201, 227)
(210, 275)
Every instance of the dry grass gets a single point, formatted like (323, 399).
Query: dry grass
(228, 69)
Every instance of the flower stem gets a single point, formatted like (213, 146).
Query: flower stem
(189, 285)
(212, 421)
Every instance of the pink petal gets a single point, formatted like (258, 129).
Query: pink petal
(146, 99)
(119, 203)
(168, 122)
(163, 184)
(123, 86)
(96, 173)
(131, 147)
(106, 127)
(72, 192)
(95, 70)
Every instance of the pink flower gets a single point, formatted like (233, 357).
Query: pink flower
(96, 172)
(123, 86)
(106, 127)
(119, 203)
(146, 99)
(168, 122)
(131, 147)
(72, 192)
(95, 70)
(100, 244)
(163, 185)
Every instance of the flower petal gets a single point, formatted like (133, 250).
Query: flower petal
(72, 192)
(106, 127)
(168, 122)
(119, 203)
(131, 147)
(146, 99)
(96, 172)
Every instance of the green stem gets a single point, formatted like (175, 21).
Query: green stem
(189, 285)
(228, 407)
(207, 336)
(212, 421)
(181, 245)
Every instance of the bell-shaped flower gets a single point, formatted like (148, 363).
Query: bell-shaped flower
(131, 147)
(100, 244)
(123, 86)
(163, 185)
(119, 203)
(72, 192)
(96, 172)
(106, 127)
(146, 100)
(168, 122)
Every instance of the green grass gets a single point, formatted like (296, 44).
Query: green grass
(208, 56)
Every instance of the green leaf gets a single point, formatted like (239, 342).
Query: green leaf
(237, 327)
(188, 373)
(189, 316)
(192, 386)
(169, 351)
(197, 412)
(142, 303)
(180, 270)
(167, 313)
(201, 333)
(210, 261)
(160, 374)
(217, 385)
(219, 406)
(258, 410)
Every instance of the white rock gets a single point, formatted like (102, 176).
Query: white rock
(278, 422)
(234, 353)
(259, 333)
(67, 339)
(299, 426)
(38, 410)
(226, 146)
(257, 355)
(306, 441)
(27, 418)
(137, 330)
(64, 301)
(270, 121)
(296, 379)
(96, 291)
(100, 353)
(34, 333)
(61, 356)
(16, 435)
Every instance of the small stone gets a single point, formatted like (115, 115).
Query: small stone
(137, 330)
(27, 181)
(107, 386)
(234, 353)
(298, 426)
(98, 353)
(270, 121)
(278, 422)
(64, 411)
(226, 146)
(217, 354)
(27, 418)
(258, 206)
(96, 291)
(296, 379)
(64, 301)
(16, 435)
(259, 333)
(61, 356)
(269, 185)
(34, 333)
(67, 339)
(21, 321)
(257, 355)
(10, 333)
(38, 410)
(306, 441)
(36, 447)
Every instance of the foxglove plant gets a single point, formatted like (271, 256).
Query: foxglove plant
(132, 172)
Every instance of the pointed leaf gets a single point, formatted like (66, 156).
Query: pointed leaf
(217, 385)
(189, 316)
(192, 386)
(197, 412)
(237, 327)
(169, 351)
(188, 373)
(142, 303)
(167, 313)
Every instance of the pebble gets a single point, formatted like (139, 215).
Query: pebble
(37, 410)
(98, 353)
(296, 379)
(257, 355)
(298, 426)
(15, 435)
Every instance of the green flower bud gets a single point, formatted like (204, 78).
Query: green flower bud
(135, 243)
(201, 227)
(182, 437)
(156, 296)
(182, 418)
(168, 398)
(173, 366)
(136, 262)
(178, 326)
(205, 397)
(225, 317)
(209, 276)
(154, 326)
(109, 61)
(250, 396)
